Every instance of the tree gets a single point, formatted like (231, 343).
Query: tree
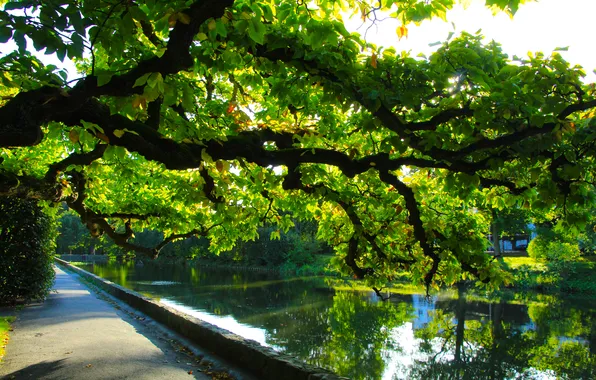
(506, 225)
(214, 117)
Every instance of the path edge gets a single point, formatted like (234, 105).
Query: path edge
(249, 354)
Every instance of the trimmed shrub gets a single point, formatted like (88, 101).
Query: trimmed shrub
(537, 247)
(27, 247)
(543, 248)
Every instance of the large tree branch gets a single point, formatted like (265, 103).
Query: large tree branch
(406, 130)
(174, 237)
(22, 117)
(415, 221)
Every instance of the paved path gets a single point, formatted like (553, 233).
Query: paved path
(75, 335)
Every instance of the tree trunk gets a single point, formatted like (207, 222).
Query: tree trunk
(495, 237)
(461, 321)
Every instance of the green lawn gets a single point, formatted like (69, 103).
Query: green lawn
(4, 329)
(516, 262)
(569, 277)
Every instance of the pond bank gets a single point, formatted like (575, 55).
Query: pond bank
(262, 361)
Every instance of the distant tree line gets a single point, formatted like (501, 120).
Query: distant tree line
(272, 249)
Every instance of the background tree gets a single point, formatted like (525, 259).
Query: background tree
(214, 117)
(508, 225)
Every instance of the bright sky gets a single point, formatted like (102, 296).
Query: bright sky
(543, 26)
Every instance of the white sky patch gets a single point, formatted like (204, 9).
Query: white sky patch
(537, 26)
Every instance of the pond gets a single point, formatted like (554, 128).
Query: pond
(456, 334)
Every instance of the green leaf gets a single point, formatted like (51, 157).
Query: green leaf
(155, 80)
(77, 47)
(188, 100)
(11, 5)
(256, 31)
(5, 34)
(141, 80)
(275, 235)
(61, 53)
(104, 78)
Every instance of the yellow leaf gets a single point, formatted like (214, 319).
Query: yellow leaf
(172, 20)
(118, 133)
(139, 102)
(363, 11)
(73, 136)
(201, 36)
(184, 18)
(402, 31)
(219, 166)
(373, 60)
(211, 25)
(103, 137)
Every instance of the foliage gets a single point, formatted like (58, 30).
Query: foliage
(513, 221)
(293, 252)
(298, 251)
(213, 118)
(27, 246)
(554, 244)
(587, 240)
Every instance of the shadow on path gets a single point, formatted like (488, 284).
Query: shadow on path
(41, 370)
(75, 335)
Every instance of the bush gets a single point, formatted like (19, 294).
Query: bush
(543, 248)
(561, 251)
(537, 248)
(26, 250)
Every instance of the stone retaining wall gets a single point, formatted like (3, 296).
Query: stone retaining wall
(262, 361)
(85, 258)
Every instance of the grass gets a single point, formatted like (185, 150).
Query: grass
(80, 263)
(4, 329)
(516, 262)
(577, 277)
(394, 288)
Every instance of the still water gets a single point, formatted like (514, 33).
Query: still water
(452, 335)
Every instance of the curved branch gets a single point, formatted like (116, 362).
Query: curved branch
(416, 222)
(75, 159)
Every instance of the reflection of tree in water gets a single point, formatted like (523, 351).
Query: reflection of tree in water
(459, 346)
(356, 336)
(360, 335)
(564, 339)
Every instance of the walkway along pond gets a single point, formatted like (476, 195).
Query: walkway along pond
(355, 334)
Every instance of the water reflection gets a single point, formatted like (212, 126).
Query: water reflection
(225, 322)
(457, 335)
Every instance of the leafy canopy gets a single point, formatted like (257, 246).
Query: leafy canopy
(212, 117)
